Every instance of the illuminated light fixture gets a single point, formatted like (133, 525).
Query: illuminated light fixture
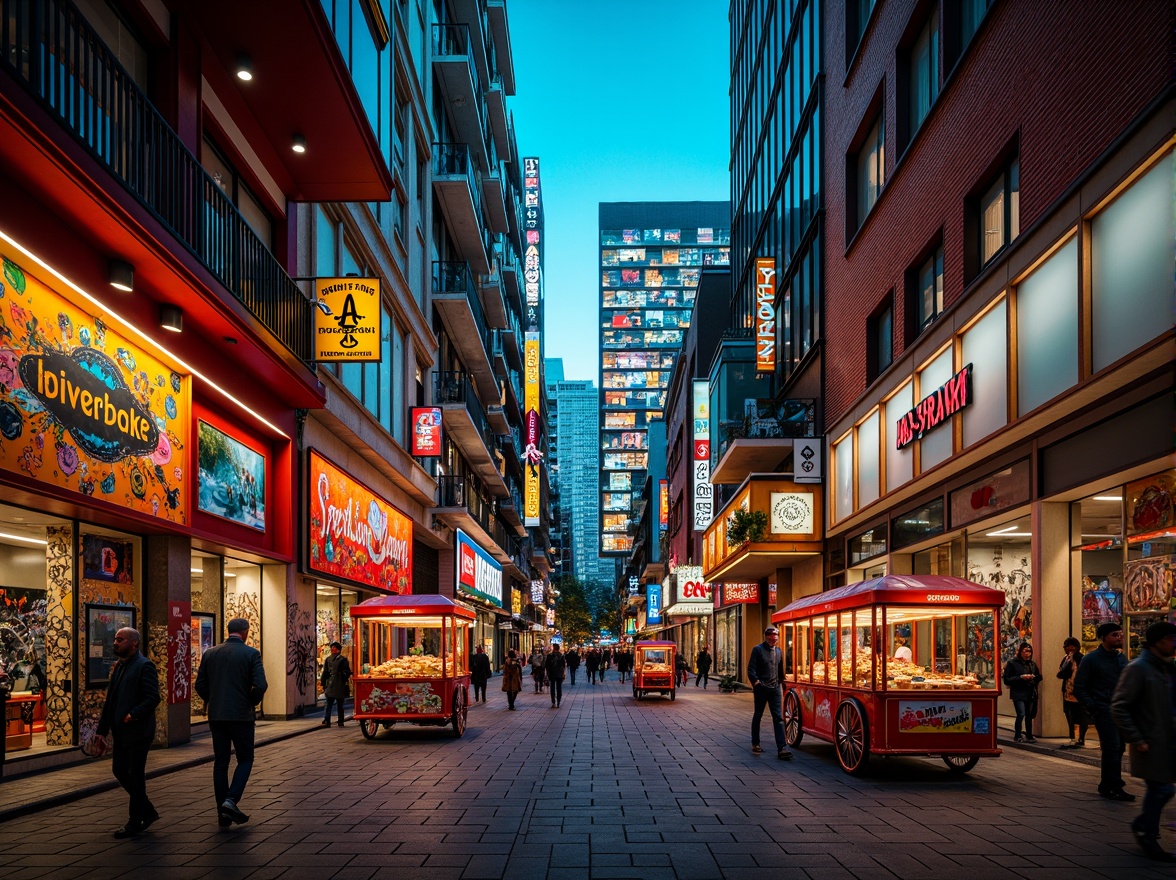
(1006, 530)
(133, 330)
(244, 67)
(171, 318)
(121, 275)
(298, 143)
(1108, 497)
(1009, 535)
(23, 538)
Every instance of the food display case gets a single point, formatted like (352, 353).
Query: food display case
(653, 668)
(411, 662)
(898, 665)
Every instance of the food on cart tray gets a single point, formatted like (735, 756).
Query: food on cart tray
(655, 667)
(418, 666)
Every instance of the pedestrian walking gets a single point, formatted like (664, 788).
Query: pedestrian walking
(1022, 674)
(624, 664)
(703, 664)
(128, 716)
(573, 665)
(1093, 686)
(231, 681)
(592, 664)
(480, 672)
(1143, 707)
(681, 670)
(538, 658)
(512, 678)
(336, 682)
(556, 668)
(765, 671)
(1075, 714)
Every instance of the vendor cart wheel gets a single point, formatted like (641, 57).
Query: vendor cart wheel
(793, 730)
(673, 695)
(460, 710)
(960, 763)
(636, 696)
(852, 737)
(368, 728)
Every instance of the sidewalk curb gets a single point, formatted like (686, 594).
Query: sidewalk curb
(76, 794)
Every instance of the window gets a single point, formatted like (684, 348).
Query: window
(928, 278)
(871, 168)
(857, 16)
(962, 19)
(1000, 212)
(880, 339)
(923, 73)
(237, 192)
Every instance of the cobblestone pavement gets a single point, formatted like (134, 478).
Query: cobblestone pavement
(603, 787)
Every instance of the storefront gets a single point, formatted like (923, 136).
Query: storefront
(138, 493)
(479, 585)
(358, 545)
(689, 612)
(1028, 448)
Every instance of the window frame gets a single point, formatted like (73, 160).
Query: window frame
(874, 365)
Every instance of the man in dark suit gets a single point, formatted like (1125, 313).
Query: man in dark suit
(129, 716)
(231, 682)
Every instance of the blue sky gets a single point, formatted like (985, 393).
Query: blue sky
(621, 101)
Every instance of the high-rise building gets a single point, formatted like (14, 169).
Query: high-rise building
(651, 255)
(573, 419)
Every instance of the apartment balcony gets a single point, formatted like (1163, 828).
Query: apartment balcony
(461, 85)
(500, 30)
(795, 514)
(494, 194)
(472, 15)
(456, 184)
(76, 82)
(508, 267)
(490, 287)
(460, 506)
(496, 110)
(762, 443)
(456, 300)
(464, 422)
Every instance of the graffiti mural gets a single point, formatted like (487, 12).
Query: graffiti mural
(1007, 567)
(300, 654)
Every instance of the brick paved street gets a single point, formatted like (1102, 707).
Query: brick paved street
(604, 787)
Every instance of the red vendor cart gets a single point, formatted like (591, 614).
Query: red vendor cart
(898, 665)
(410, 662)
(653, 668)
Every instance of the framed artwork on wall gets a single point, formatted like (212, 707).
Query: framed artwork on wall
(102, 622)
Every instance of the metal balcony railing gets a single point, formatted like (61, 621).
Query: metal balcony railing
(54, 53)
(456, 387)
(789, 418)
(453, 160)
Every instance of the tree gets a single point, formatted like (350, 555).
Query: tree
(572, 614)
(605, 604)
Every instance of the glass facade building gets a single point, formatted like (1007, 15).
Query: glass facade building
(776, 187)
(651, 256)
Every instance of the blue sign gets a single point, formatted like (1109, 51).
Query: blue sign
(653, 604)
(478, 573)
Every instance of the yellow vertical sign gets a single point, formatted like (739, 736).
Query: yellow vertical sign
(531, 454)
(347, 319)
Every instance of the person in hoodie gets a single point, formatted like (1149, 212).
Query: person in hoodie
(1022, 674)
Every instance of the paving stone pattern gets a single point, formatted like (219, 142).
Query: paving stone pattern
(603, 787)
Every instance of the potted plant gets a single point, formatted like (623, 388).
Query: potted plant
(746, 525)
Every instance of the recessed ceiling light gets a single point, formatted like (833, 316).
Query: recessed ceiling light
(1108, 497)
(298, 143)
(244, 67)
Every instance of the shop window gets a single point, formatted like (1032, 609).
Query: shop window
(1047, 329)
(1131, 266)
(917, 524)
(1151, 555)
(867, 545)
(943, 559)
(843, 469)
(1001, 557)
(242, 592)
(899, 462)
(935, 445)
(1097, 524)
(867, 460)
(985, 347)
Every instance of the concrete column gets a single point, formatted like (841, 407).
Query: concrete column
(288, 642)
(168, 578)
(1051, 592)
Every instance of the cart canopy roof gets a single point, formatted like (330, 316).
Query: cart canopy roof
(385, 606)
(653, 644)
(895, 589)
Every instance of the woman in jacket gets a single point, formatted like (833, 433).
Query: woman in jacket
(538, 659)
(1075, 714)
(1022, 675)
(512, 678)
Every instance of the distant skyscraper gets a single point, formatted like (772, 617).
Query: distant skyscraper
(651, 254)
(573, 408)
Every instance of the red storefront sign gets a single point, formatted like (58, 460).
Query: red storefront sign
(426, 431)
(740, 594)
(935, 408)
